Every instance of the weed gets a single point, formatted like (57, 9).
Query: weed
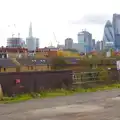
(55, 93)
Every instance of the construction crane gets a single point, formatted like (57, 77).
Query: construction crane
(50, 44)
(12, 29)
(55, 39)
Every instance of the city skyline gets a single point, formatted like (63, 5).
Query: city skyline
(54, 17)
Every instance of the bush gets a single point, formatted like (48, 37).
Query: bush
(58, 63)
(103, 74)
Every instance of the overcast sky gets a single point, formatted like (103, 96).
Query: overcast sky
(63, 17)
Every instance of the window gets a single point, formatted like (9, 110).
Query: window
(44, 61)
(4, 69)
(91, 66)
(48, 66)
(31, 67)
(2, 56)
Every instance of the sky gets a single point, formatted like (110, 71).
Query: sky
(55, 20)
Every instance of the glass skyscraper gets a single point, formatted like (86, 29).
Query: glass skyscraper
(85, 40)
(116, 27)
(108, 37)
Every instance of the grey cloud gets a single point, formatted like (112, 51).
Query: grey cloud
(92, 19)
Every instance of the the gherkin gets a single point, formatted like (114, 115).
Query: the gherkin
(108, 37)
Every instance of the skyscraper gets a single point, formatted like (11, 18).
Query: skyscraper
(68, 43)
(37, 43)
(98, 46)
(85, 39)
(31, 41)
(30, 30)
(93, 44)
(108, 37)
(116, 27)
(101, 45)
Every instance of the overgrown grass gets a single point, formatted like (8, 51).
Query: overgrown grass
(55, 93)
(18, 98)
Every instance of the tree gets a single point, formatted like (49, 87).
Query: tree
(71, 50)
(58, 63)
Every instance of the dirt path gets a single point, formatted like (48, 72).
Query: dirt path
(84, 106)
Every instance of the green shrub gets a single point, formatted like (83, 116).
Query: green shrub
(103, 73)
(58, 63)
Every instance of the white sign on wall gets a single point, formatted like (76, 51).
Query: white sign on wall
(109, 43)
(118, 65)
(108, 54)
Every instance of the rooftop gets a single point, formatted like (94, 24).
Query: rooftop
(6, 63)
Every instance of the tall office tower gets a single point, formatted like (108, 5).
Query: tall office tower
(85, 40)
(108, 37)
(68, 43)
(97, 46)
(116, 27)
(101, 45)
(31, 41)
(37, 43)
(93, 44)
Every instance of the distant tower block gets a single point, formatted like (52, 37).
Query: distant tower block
(30, 30)
(31, 41)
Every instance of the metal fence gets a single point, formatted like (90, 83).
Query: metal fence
(81, 77)
(92, 79)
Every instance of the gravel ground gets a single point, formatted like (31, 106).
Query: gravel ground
(103, 105)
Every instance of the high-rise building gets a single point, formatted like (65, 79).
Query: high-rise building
(85, 39)
(31, 41)
(15, 42)
(101, 45)
(93, 44)
(68, 43)
(116, 27)
(98, 46)
(108, 37)
(78, 47)
(37, 43)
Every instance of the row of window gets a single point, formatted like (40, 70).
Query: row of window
(30, 67)
(3, 69)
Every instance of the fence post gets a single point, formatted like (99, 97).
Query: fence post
(81, 77)
(119, 75)
(1, 92)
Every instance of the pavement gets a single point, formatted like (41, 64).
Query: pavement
(102, 105)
